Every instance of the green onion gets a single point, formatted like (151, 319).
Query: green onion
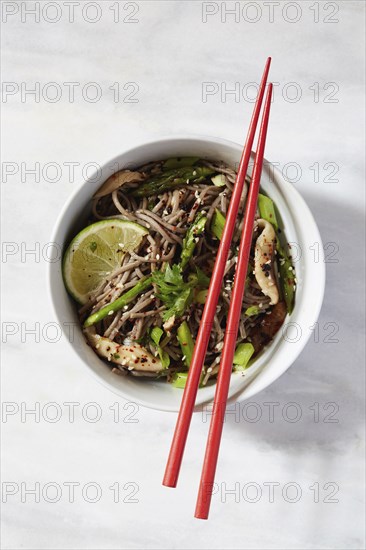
(189, 241)
(252, 310)
(180, 379)
(201, 296)
(186, 342)
(242, 355)
(155, 336)
(218, 223)
(219, 180)
(267, 210)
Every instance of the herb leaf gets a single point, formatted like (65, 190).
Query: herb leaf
(173, 291)
(155, 335)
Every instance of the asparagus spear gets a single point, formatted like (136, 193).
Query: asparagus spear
(189, 241)
(118, 304)
(179, 162)
(170, 179)
(186, 342)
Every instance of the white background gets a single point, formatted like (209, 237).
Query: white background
(169, 52)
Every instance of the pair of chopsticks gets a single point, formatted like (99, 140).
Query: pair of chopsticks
(200, 349)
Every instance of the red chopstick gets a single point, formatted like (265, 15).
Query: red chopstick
(199, 353)
(223, 380)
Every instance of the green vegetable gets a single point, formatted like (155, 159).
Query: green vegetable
(252, 310)
(173, 291)
(189, 241)
(218, 223)
(151, 204)
(118, 304)
(179, 162)
(170, 179)
(155, 336)
(219, 180)
(199, 279)
(201, 296)
(242, 355)
(186, 342)
(180, 379)
(266, 209)
(287, 277)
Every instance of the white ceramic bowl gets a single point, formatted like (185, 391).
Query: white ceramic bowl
(300, 229)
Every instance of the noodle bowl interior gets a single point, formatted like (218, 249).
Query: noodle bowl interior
(143, 317)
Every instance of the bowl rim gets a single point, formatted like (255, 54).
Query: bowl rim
(258, 383)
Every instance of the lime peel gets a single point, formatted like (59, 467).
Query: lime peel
(96, 252)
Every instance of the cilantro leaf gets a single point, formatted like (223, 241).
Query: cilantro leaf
(173, 291)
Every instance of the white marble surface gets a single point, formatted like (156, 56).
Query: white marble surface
(169, 53)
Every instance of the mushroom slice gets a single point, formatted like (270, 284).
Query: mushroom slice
(116, 181)
(263, 261)
(131, 356)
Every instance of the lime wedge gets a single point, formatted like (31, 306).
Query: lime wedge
(96, 252)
